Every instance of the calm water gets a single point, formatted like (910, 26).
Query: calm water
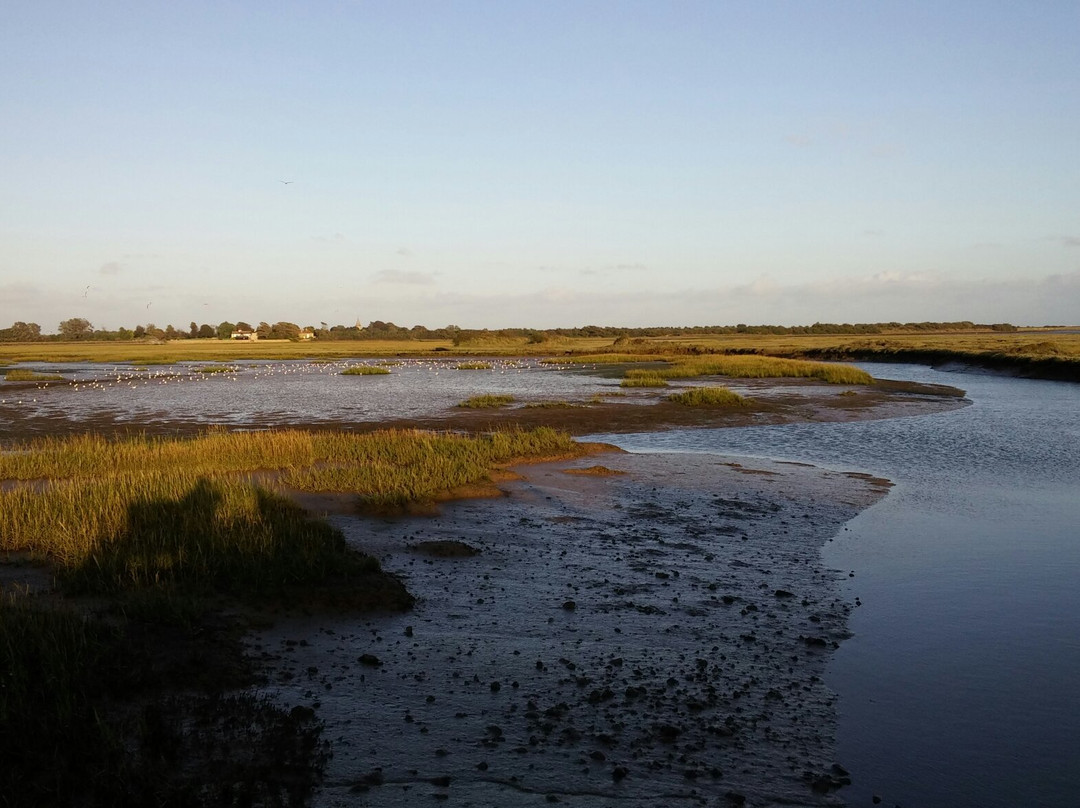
(960, 685)
(263, 394)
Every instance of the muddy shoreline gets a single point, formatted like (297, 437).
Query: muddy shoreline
(657, 636)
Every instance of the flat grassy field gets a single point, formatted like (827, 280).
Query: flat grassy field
(1021, 344)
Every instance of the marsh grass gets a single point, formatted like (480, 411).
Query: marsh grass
(87, 720)
(365, 370)
(24, 375)
(599, 359)
(551, 405)
(473, 366)
(709, 397)
(487, 401)
(217, 369)
(644, 378)
(755, 367)
(54, 666)
(187, 516)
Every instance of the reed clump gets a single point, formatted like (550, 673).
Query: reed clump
(709, 397)
(487, 401)
(756, 367)
(217, 369)
(644, 378)
(473, 366)
(24, 375)
(365, 370)
(599, 359)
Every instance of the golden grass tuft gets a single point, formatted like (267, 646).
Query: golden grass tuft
(486, 402)
(709, 397)
(365, 370)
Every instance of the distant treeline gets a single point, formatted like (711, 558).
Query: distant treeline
(78, 328)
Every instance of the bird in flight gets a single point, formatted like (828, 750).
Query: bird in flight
(286, 182)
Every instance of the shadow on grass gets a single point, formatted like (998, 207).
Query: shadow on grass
(141, 708)
(224, 538)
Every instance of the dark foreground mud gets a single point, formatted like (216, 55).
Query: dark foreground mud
(651, 638)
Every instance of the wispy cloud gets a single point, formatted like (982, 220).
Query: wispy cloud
(404, 252)
(111, 268)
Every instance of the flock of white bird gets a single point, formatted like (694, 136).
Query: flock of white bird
(134, 377)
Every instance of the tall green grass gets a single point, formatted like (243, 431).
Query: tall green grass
(186, 515)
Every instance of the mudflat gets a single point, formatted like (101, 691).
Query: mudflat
(653, 636)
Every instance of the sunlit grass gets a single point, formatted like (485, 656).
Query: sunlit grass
(24, 375)
(487, 401)
(141, 513)
(644, 378)
(599, 359)
(748, 367)
(709, 397)
(365, 370)
(473, 366)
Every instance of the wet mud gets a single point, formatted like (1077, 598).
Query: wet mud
(655, 637)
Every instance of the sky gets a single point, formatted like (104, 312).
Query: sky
(539, 164)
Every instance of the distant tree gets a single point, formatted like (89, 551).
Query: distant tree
(225, 329)
(206, 332)
(171, 333)
(21, 332)
(155, 332)
(193, 330)
(263, 330)
(76, 328)
(242, 326)
(284, 331)
(139, 332)
(124, 333)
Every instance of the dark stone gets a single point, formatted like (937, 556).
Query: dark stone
(369, 659)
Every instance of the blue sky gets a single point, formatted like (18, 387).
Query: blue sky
(494, 164)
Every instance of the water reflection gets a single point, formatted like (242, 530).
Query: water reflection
(959, 686)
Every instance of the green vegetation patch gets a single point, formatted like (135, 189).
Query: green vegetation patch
(187, 516)
(487, 401)
(365, 370)
(709, 397)
(551, 405)
(644, 378)
(24, 375)
(473, 366)
(758, 367)
(65, 742)
(217, 369)
(599, 359)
